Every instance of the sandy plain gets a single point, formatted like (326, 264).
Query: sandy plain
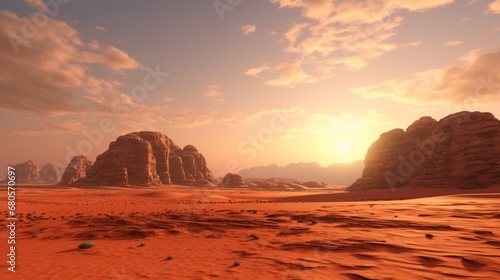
(243, 234)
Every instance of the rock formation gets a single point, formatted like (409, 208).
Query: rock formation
(28, 172)
(461, 150)
(147, 158)
(282, 184)
(339, 174)
(76, 170)
(189, 165)
(50, 174)
(232, 181)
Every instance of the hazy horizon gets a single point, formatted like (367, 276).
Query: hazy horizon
(251, 83)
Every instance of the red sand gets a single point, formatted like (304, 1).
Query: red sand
(206, 231)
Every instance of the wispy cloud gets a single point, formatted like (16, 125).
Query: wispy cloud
(39, 4)
(213, 91)
(63, 127)
(99, 27)
(257, 70)
(475, 77)
(248, 29)
(290, 74)
(160, 117)
(453, 43)
(494, 7)
(52, 71)
(336, 35)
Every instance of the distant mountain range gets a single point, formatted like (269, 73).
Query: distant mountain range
(341, 174)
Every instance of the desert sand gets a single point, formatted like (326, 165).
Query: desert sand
(244, 234)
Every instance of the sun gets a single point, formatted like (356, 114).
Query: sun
(344, 147)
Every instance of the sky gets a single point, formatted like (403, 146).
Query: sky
(247, 82)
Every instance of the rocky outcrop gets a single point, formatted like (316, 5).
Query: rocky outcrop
(232, 181)
(28, 172)
(177, 170)
(139, 158)
(147, 158)
(461, 150)
(340, 174)
(315, 184)
(188, 165)
(282, 184)
(50, 174)
(77, 169)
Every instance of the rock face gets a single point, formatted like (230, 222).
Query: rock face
(232, 181)
(147, 158)
(189, 165)
(461, 150)
(50, 174)
(76, 170)
(28, 172)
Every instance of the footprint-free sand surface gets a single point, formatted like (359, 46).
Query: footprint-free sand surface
(244, 234)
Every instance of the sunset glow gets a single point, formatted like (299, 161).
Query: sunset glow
(259, 83)
(244, 139)
(344, 147)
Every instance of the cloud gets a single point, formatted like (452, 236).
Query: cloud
(290, 75)
(39, 4)
(476, 78)
(48, 69)
(213, 91)
(256, 70)
(248, 29)
(453, 43)
(494, 7)
(423, 5)
(168, 99)
(340, 35)
(109, 56)
(101, 28)
(63, 127)
(310, 8)
(161, 117)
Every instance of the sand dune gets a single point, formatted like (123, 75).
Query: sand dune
(135, 230)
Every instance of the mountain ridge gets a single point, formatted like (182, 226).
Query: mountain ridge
(334, 174)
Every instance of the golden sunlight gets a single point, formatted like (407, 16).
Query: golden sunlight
(344, 147)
